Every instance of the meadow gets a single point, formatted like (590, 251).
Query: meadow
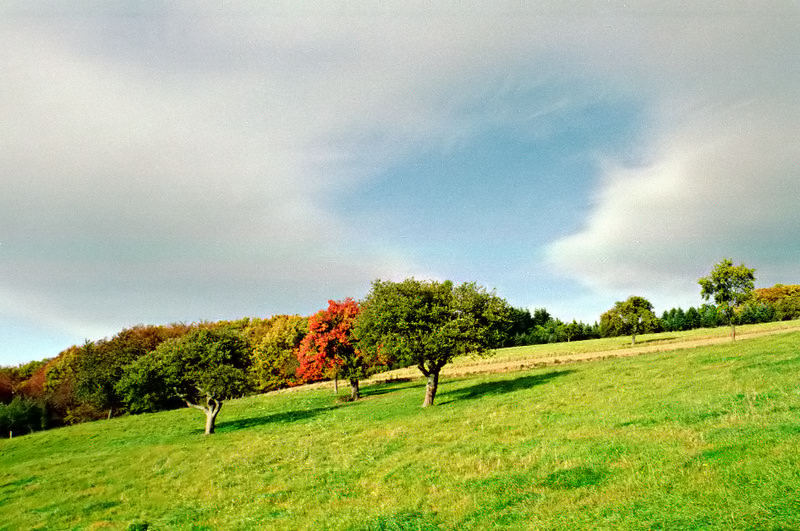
(701, 437)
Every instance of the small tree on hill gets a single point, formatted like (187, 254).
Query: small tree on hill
(203, 368)
(731, 286)
(427, 324)
(632, 316)
(330, 345)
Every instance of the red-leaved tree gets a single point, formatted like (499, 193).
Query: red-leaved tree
(330, 345)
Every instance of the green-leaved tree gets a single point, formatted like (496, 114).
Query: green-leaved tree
(427, 324)
(632, 316)
(730, 286)
(203, 368)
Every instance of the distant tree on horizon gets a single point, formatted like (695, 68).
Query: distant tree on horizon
(730, 286)
(632, 316)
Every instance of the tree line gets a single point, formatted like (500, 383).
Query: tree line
(399, 324)
(151, 368)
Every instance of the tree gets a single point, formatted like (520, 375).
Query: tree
(97, 372)
(274, 359)
(573, 330)
(203, 368)
(552, 331)
(541, 316)
(788, 308)
(632, 316)
(99, 366)
(428, 323)
(22, 414)
(709, 316)
(520, 323)
(330, 345)
(680, 320)
(692, 319)
(730, 286)
(6, 385)
(785, 300)
(776, 293)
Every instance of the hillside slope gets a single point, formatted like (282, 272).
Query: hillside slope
(704, 437)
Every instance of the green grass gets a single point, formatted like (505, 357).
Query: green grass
(697, 438)
(624, 342)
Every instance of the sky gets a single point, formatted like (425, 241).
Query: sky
(182, 161)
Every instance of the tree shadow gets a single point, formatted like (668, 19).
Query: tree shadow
(500, 386)
(283, 417)
(652, 340)
(382, 388)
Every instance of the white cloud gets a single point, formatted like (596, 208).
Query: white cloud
(720, 177)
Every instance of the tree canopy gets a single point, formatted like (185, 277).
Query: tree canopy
(203, 368)
(428, 323)
(274, 358)
(730, 286)
(330, 345)
(632, 316)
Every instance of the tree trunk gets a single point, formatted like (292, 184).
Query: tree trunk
(633, 339)
(431, 388)
(354, 391)
(336, 382)
(211, 418)
(110, 411)
(211, 409)
(733, 332)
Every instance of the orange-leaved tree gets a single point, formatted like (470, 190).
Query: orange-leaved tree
(330, 345)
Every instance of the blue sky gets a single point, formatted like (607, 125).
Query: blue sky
(179, 162)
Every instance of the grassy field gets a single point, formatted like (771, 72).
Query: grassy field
(702, 437)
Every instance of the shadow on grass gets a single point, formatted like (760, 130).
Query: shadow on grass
(653, 340)
(500, 386)
(283, 417)
(390, 387)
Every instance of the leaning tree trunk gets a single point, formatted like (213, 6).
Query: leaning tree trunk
(431, 388)
(354, 390)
